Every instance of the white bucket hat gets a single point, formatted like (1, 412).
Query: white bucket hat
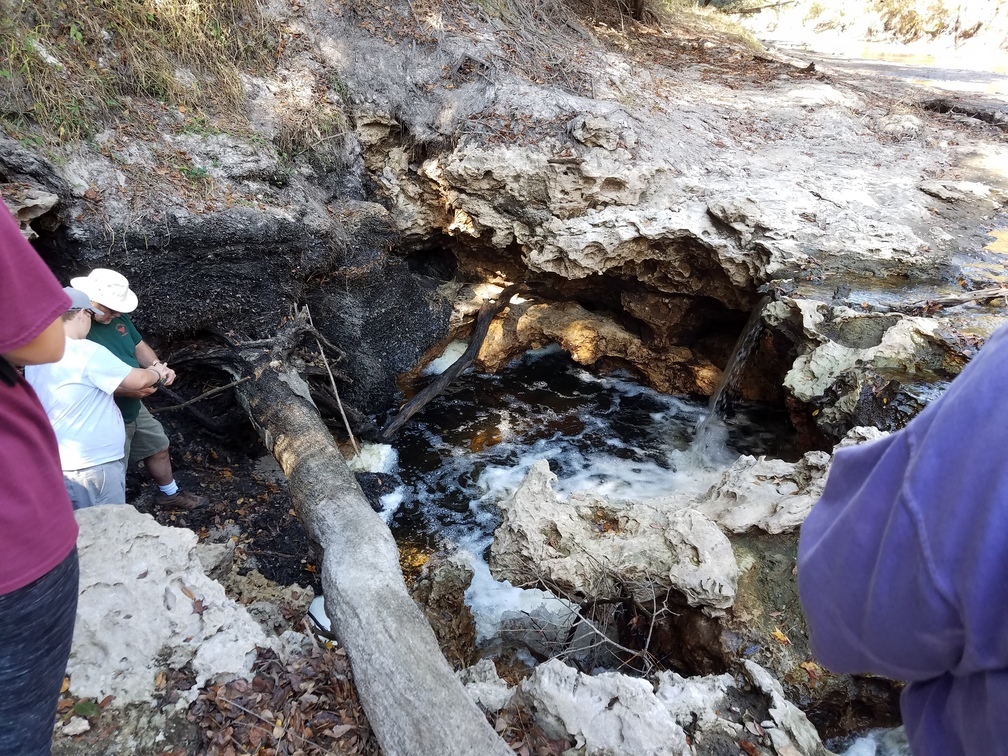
(107, 287)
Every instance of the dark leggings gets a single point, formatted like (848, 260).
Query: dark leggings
(36, 625)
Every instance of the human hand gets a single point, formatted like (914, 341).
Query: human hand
(166, 373)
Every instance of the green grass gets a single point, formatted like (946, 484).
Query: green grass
(65, 64)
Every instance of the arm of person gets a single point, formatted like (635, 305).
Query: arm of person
(871, 598)
(903, 562)
(48, 346)
(146, 357)
(31, 332)
(140, 382)
(135, 393)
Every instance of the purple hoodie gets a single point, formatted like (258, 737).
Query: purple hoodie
(903, 563)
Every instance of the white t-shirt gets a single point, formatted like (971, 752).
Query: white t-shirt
(76, 393)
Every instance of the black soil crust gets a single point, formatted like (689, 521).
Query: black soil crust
(249, 503)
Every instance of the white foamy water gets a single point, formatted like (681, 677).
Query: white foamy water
(375, 458)
(390, 503)
(451, 353)
(471, 448)
(491, 599)
(891, 742)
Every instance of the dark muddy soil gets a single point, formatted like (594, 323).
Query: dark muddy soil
(248, 500)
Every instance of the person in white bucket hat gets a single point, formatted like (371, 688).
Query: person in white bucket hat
(108, 287)
(145, 437)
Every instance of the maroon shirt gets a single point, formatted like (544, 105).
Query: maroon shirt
(37, 526)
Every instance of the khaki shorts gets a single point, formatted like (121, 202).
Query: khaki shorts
(144, 437)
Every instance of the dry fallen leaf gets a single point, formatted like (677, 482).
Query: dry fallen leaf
(779, 636)
(813, 670)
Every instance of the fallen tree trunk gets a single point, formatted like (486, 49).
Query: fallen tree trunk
(413, 700)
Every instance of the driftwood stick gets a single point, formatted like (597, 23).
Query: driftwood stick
(211, 424)
(757, 9)
(487, 313)
(952, 300)
(281, 342)
(201, 397)
(332, 381)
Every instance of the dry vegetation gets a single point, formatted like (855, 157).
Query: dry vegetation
(66, 63)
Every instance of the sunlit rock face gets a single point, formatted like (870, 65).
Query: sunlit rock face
(593, 338)
(667, 188)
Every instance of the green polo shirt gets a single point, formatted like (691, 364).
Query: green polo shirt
(120, 337)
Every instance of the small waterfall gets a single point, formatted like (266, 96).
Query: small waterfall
(709, 442)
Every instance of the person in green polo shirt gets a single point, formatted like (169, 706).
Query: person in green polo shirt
(145, 437)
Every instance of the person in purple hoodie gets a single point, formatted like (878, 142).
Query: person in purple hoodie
(903, 563)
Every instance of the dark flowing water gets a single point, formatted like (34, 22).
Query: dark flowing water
(472, 446)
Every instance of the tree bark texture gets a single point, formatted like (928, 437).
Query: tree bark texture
(413, 700)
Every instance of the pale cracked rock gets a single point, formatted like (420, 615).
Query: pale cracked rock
(607, 713)
(592, 547)
(851, 355)
(766, 494)
(27, 203)
(146, 605)
(485, 686)
(612, 713)
(792, 726)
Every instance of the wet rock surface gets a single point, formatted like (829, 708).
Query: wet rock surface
(760, 504)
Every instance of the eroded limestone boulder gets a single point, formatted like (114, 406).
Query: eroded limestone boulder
(27, 203)
(612, 713)
(861, 368)
(485, 686)
(608, 713)
(592, 547)
(146, 606)
(770, 495)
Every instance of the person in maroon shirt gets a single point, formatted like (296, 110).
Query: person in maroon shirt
(38, 533)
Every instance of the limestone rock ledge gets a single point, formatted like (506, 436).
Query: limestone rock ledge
(146, 605)
(611, 713)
